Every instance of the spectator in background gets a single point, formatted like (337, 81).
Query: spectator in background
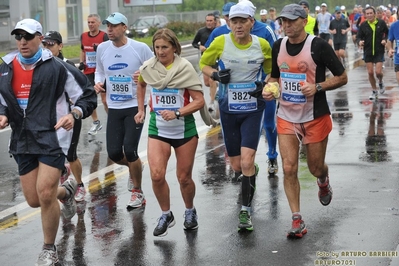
(311, 26)
(395, 12)
(89, 42)
(344, 12)
(219, 21)
(316, 11)
(372, 36)
(339, 28)
(323, 20)
(199, 41)
(393, 37)
(380, 13)
(338, 8)
(389, 19)
(352, 22)
(276, 22)
(263, 17)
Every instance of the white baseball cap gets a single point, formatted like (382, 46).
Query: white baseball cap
(29, 25)
(263, 12)
(240, 11)
(324, 4)
(248, 4)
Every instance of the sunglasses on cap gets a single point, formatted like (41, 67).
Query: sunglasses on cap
(49, 43)
(26, 36)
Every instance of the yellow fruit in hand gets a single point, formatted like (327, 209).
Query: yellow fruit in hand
(274, 88)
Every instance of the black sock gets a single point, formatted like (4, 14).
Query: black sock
(247, 190)
(49, 247)
(81, 185)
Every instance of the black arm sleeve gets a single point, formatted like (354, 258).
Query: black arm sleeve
(196, 40)
(316, 29)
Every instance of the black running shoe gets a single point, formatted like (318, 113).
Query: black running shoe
(190, 219)
(164, 222)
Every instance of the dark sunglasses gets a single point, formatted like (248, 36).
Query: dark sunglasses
(26, 36)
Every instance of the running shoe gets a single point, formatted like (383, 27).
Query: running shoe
(80, 193)
(96, 126)
(130, 185)
(272, 166)
(325, 192)
(245, 221)
(164, 222)
(65, 173)
(298, 228)
(68, 208)
(382, 88)
(137, 200)
(374, 95)
(237, 177)
(190, 219)
(47, 258)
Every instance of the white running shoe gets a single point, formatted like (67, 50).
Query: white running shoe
(68, 208)
(96, 126)
(137, 200)
(80, 194)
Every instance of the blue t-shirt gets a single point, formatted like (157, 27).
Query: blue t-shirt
(393, 35)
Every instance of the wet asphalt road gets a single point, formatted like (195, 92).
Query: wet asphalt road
(363, 159)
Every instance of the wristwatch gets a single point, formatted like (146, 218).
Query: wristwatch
(177, 114)
(319, 88)
(76, 116)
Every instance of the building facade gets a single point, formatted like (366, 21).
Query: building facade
(69, 17)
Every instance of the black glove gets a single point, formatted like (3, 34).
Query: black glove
(81, 66)
(223, 76)
(257, 93)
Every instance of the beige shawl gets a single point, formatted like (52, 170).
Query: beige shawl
(181, 75)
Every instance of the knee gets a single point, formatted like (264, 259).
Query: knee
(184, 179)
(131, 156)
(158, 176)
(45, 197)
(289, 170)
(115, 155)
(317, 170)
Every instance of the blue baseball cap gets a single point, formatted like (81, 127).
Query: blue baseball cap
(226, 8)
(115, 18)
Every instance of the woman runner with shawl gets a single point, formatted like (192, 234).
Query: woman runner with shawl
(173, 82)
